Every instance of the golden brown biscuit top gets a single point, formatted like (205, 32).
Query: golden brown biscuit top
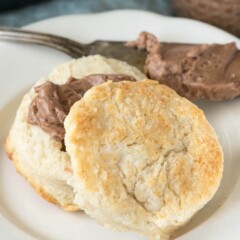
(140, 147)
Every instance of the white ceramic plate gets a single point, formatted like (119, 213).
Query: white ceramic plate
(26, 216)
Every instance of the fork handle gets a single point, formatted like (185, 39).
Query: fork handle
(68, 46)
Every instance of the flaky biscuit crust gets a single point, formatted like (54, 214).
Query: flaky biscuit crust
(144, 158)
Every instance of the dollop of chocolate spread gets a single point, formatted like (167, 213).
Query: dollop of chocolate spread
(210, 71)
(52, 103)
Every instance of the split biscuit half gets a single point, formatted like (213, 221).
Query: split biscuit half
(38, 156)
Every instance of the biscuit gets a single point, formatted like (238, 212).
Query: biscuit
(143, 158)
(38, 156)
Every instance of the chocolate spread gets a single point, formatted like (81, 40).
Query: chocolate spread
(209, 71)
(53, 102)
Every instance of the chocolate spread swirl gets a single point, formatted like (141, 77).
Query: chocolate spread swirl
(210, 71)
(53, 102)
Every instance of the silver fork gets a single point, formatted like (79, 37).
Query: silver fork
(76, 49)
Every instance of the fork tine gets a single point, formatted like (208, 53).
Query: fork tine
(70, 47)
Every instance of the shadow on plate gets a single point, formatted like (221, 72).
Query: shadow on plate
(228, 134)
(7, 114)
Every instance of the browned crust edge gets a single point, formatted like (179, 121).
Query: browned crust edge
(11, 154)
